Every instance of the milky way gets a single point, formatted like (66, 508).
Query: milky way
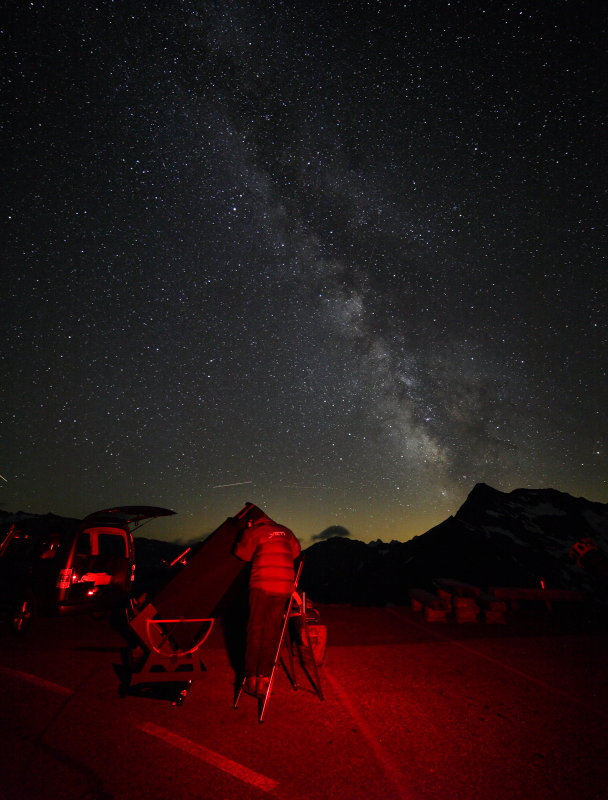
(343, 262)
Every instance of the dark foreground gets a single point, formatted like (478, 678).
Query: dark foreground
(411, 710)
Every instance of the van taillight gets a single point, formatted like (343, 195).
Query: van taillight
(65, 578)
(133, 572)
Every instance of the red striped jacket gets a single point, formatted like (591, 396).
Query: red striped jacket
(271, 548)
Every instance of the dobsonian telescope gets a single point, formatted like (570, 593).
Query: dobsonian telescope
(172, 626)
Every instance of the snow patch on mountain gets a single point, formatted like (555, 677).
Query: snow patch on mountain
(493, 529)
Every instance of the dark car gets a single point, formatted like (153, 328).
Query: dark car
(55, 566)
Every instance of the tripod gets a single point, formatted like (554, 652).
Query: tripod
(296, 609)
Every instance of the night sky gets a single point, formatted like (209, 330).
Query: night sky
(350, 256)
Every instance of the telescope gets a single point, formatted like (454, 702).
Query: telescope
(173, 625)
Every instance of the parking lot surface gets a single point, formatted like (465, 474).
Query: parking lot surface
(412, 711)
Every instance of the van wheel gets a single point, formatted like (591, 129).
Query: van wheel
(22, 618)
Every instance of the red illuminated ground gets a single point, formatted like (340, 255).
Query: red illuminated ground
(412, 710)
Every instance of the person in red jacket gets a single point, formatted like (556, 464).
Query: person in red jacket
(271, 548)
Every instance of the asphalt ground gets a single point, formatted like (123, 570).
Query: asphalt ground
(412, 711)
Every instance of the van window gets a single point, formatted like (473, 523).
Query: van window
(21, 545)
(111, 544)
(108, 542)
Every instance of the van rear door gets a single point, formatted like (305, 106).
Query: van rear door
(99, 572)
(100, 568)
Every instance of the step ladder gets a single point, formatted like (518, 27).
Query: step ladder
(295, 609)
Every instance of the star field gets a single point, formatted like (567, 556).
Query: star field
(350, 258)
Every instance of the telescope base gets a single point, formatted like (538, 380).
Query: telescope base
(155, 669)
